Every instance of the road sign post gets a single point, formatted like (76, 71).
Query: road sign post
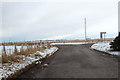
(102, 35)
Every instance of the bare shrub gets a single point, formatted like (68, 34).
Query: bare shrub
(13, 58)
(43, 48)
(48, 45)
(28, 51)
(4, 55)
(22, 51)
(10, 58)
(15, 50)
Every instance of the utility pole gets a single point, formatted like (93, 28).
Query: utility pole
(119, 19)
(85, 30)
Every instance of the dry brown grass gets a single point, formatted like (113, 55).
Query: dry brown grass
(21, 43)
(4, 55)
(9, 58)
(29, 50)
(16, 51)
(32, 47)
(26, 52)
(13, 58)
(49, 45)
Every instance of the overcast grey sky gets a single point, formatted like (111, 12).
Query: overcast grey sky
(57, 19)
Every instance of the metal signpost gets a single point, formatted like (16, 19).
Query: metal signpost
(101, 35)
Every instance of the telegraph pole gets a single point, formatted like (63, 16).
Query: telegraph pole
(119, 19)
(85, 30)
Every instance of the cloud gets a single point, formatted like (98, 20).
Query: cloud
(32, 20)
(61, 1)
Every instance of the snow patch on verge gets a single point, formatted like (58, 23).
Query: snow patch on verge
(8, 69)
(104, 47)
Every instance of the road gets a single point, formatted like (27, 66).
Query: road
(77, 61)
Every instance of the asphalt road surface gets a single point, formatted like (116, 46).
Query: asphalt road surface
(77, 61)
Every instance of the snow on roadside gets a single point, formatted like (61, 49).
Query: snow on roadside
(105, 47)
(10, 68)
(101, 46)
(46, 52)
